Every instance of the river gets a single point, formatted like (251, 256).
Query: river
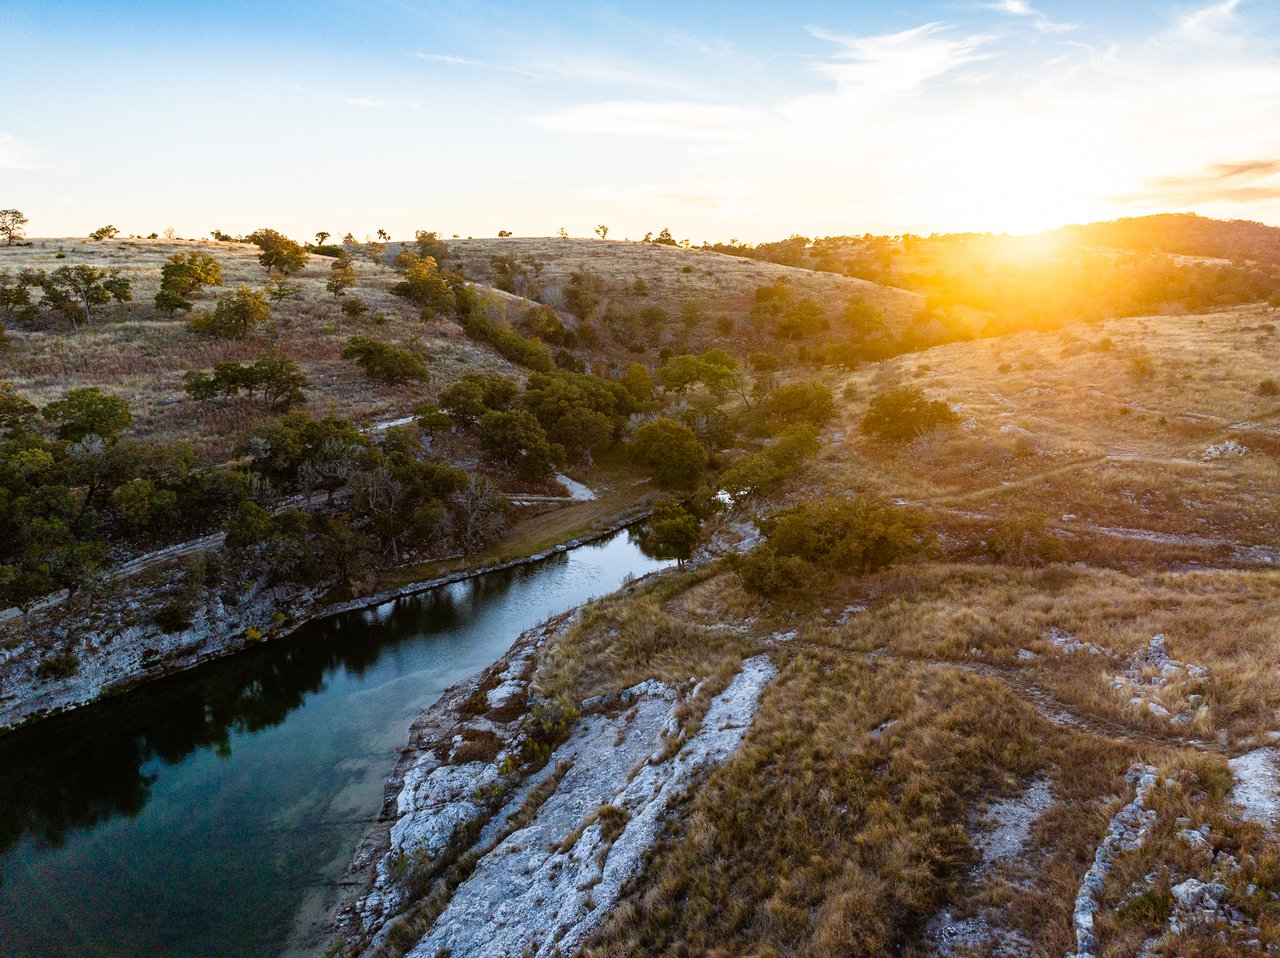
(209, 813)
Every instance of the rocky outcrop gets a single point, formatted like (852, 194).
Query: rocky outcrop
(80, 662)
(544, 854)
(1126, 832)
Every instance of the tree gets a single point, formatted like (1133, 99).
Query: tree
(332, 464)
(602, 231)
(637, 381)
(423, 285)
(430, 245)
(476, 394)
(671, 450)
(279, 254)
(855, 535)
(904, 412)
(582, 294)
(321, 237)
(274, 375)
(145, 507)
(806, 401)
(279, 289)
(518, 439)
(183, 274)
(665, 238)
(11, 224)
(672, 531)
(104, 233)
(17, 416)
(237, 314)
(342, 275)
(74, 289)
(15, 296)
(88, 411)
(384, 362)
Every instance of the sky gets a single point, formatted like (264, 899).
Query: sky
(719, 120)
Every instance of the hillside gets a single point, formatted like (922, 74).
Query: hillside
(1078, 676)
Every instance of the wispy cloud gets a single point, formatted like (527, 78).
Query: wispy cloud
(672, 118)
(899, 62)
(1247, 181)
(1021, 8)
(374, 103)
(1210, 21)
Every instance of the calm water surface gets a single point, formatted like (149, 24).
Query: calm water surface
(205, 815)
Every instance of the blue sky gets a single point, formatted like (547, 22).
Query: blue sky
(719, 120)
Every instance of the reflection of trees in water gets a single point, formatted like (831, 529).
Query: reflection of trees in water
(79, 770)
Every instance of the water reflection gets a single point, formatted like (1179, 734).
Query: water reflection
(78, 770)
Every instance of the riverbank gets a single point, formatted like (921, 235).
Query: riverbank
(120, 647)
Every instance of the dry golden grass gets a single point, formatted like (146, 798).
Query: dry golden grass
(139, 353)
(1055, 426)
(718, 283)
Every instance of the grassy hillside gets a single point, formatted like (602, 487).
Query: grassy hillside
(141, 353)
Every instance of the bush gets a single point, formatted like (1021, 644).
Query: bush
(671, 532)
(507, 343)
(1268, 387)
(856, 536)
(517, 438)
(671, 450)
(62, 664)
(803, 402)
(386, 363)
(903, 413)
(235, 316)
(1024, 540)
(768, 574)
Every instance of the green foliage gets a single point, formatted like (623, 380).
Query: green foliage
(17, 415)
(280, 448)
(529, 353)
(75, 290)
(386, 363)
(342, 275)
(807, 401)
(15, 297)
(671, 450)
(761, 473)
(429, 244)
(580, 412)
(541, 322)
(766, 573)
(582, 294)
(236, 315)
(904, 412)
(672, 531)
(424, 285)
(637, 381)
(475, 394)
(89, 411)
(1025, 541)
(516, 438)
(432, 420)
(273, 375)
(187, 273)
(855, 536)
(716, 370)
(104, 233)
(144, 507)
(279, 254)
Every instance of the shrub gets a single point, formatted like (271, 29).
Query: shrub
(1268, 387)
(279, 253)
(236, 315)
(507, 343)
(60, 665)
(671, 532)
(517, 438)
(802, 402)
(1024, 540)
(768, 574)
(386, 363)
(857, 536)
(904, 412)
(671, 450)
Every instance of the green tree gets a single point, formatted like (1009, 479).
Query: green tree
(424, 285)
(671, 450)
(672, 531)
(582, 294)
(236, 315)
(88, 412)
(518, 439)
(321, 236)
(72, 290)
(903, 412)
(279, 254)
(15, 297)
(144, 507)
(274, 375)
(475, 394)
(806, 401)
(186, 273)
(637, 381)
(386, 363)
(17, 416)
(104, 233)
(342, 275)
(11, 224)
